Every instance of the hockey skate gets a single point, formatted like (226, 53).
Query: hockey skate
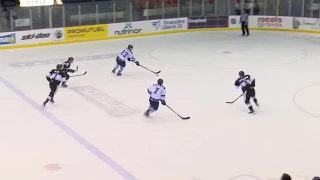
(147, 113)
(251, 110)
(64, 85)
(113, 71)
(119, 74)
(45, 102)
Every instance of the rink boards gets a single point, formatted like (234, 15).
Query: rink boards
(76, 34)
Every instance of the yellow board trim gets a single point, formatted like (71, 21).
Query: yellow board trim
(149, 34)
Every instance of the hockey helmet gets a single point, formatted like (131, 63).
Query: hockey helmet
(130, 47)
(59, 66)
(160, 82)
(241, 73)
(70, 59)
(285, 177)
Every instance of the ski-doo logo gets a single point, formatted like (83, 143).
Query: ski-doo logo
(35, 36)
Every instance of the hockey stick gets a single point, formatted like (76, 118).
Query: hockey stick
(79, 74)
(184, 118)
(77, 68)
(150, 70)
(235, 99)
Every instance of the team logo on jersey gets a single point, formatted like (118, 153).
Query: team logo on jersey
(128, 29)
(8, 39)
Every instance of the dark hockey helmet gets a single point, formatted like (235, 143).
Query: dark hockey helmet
(59, 66)
(160, 82)
(241, 73)
(70, 59)
(130, 47)
(285, 176)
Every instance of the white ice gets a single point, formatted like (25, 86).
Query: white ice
(219, 142)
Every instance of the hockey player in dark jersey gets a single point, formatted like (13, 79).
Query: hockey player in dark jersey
(66, 69)
(247, 84)
(55, 77)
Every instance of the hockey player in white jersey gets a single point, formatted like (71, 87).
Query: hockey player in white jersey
(247, 84)
(126, 54)
(157, 93)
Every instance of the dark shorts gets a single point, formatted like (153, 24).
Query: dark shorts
(154, 104)
(121, 63)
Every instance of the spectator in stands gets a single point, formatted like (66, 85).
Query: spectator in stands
(238, 7)
(286, 177)
(247, 6)
(256, 8)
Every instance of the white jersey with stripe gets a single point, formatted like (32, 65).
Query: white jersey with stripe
(57, 76)
(245, 82)
(126, 54)
(157, 92)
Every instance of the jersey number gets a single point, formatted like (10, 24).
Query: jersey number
(157, 89)
(53, 76)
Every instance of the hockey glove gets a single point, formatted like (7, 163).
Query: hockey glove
(71, 70)
(137, 63)
(163, 102)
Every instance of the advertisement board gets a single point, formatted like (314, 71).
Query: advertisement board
(262, 22)
(39, 36)
(22, 22)
(169, 24)
(142, 27)
(86, 32)
(128, 28)
(268, 22)
(234, 22)
(8, 39)
(306, 23)
(207, 22)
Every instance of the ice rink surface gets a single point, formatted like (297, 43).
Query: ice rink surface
(96, 130)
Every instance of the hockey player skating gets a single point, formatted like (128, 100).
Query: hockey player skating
(55, 77)
(66, 69)
(157, 93)
(247, 84)
(126, 54)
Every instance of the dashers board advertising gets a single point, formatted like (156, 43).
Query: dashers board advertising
(143, 27)
(208, 22)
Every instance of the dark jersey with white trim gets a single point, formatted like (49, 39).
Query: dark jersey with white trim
(56, 76)
(66, 65)
(246, 82)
